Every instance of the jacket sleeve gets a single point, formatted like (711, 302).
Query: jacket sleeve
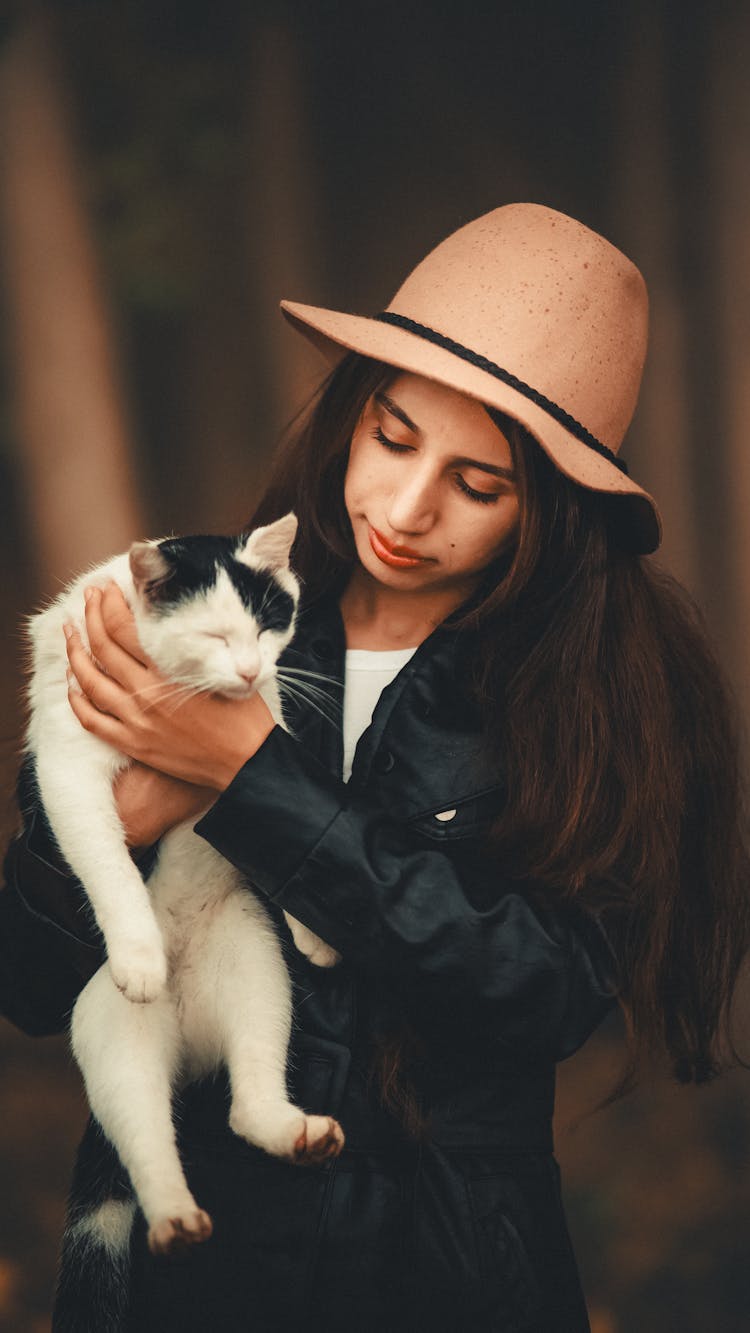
(535, 976)
(49, 943)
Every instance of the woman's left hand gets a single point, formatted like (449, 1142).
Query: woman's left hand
(123, 699)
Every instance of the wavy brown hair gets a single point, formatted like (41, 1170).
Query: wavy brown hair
(618, 734)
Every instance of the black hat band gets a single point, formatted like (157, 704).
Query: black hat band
(483, 363)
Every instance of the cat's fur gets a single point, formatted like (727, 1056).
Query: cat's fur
(195, 977)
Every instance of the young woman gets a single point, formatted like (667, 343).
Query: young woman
(524, 811)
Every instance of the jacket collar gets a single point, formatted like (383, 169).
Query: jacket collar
(426, 713)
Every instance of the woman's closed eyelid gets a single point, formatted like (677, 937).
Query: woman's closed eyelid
(386, 440)
(479, 497)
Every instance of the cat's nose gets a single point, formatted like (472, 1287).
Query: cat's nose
(248, 676)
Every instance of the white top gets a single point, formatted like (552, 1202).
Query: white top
(368, 671)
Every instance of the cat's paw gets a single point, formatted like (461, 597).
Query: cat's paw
(272, 1126)
(286, 1131)
(321, 1139)
(139, 970)
(323, 955)
(171, 1235)
(311, 945)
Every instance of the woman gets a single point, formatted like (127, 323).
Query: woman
(540, 817)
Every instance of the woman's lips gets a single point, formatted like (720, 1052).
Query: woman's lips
(388, 554)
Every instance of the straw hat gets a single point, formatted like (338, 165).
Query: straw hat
(530, 312)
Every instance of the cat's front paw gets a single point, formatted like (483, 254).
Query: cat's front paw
(311, 945)
(139, 970)
(322, 955)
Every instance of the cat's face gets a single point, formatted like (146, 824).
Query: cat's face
(216, 612)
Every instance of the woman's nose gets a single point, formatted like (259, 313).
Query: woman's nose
(412, 507)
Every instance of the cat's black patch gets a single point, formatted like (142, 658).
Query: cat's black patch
(194, 563)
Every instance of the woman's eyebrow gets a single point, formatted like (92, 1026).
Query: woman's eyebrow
(390, 406)
(492, 468)
(395, 411)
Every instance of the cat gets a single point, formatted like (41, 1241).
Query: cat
(195, 977)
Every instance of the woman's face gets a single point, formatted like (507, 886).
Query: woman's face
(430, 489)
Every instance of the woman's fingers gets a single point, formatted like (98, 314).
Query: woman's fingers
(112, 650)
(107, 728)
(104, 692)
(119, 622)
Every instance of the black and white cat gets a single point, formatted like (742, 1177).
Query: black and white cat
(195, 977)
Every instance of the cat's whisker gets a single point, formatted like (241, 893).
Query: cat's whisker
(183, 695)
(295, 694)
(162, 689)
(320, 706)
(303, 682)
(305, 677)
(168, 691)
(309, 675)
(315, 675)
(307, 690)
(272, 590)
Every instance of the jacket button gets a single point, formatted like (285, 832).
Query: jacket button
(445, 815)
(384, 761)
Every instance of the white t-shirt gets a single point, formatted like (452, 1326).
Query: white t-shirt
(368, 671)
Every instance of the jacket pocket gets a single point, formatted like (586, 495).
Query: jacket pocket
(461, 817)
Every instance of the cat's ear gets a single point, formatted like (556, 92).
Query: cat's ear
(270, 546)
(148, 566)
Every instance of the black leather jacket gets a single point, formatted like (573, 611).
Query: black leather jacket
(465, 1225)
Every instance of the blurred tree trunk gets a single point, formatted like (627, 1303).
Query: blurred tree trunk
(731, 135)
(245, 372)
(222, 406)
(645, 208)
(70, 415)
(281, 210)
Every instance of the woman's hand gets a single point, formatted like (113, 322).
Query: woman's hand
(150, 803)
(123, 699)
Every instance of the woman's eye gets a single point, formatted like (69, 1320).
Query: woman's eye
(482, 497)
(390, 444)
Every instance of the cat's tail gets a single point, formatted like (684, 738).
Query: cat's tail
(94, 1283)
(93, 1287)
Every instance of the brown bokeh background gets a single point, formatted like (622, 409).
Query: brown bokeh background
(169, 171)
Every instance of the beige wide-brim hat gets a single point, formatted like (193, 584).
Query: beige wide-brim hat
(528, 311)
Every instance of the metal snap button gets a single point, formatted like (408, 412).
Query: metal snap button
(384, 762)
(445, 815)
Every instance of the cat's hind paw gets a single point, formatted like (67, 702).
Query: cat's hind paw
(139, 971)
(172, 1235)
(322, 1138)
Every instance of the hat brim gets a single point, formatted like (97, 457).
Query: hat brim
(334, 333)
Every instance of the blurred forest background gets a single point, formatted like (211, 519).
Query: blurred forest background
(168, 172)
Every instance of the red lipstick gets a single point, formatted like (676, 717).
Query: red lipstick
(399, 557)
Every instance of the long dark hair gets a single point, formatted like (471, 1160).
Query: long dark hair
(617, 732)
